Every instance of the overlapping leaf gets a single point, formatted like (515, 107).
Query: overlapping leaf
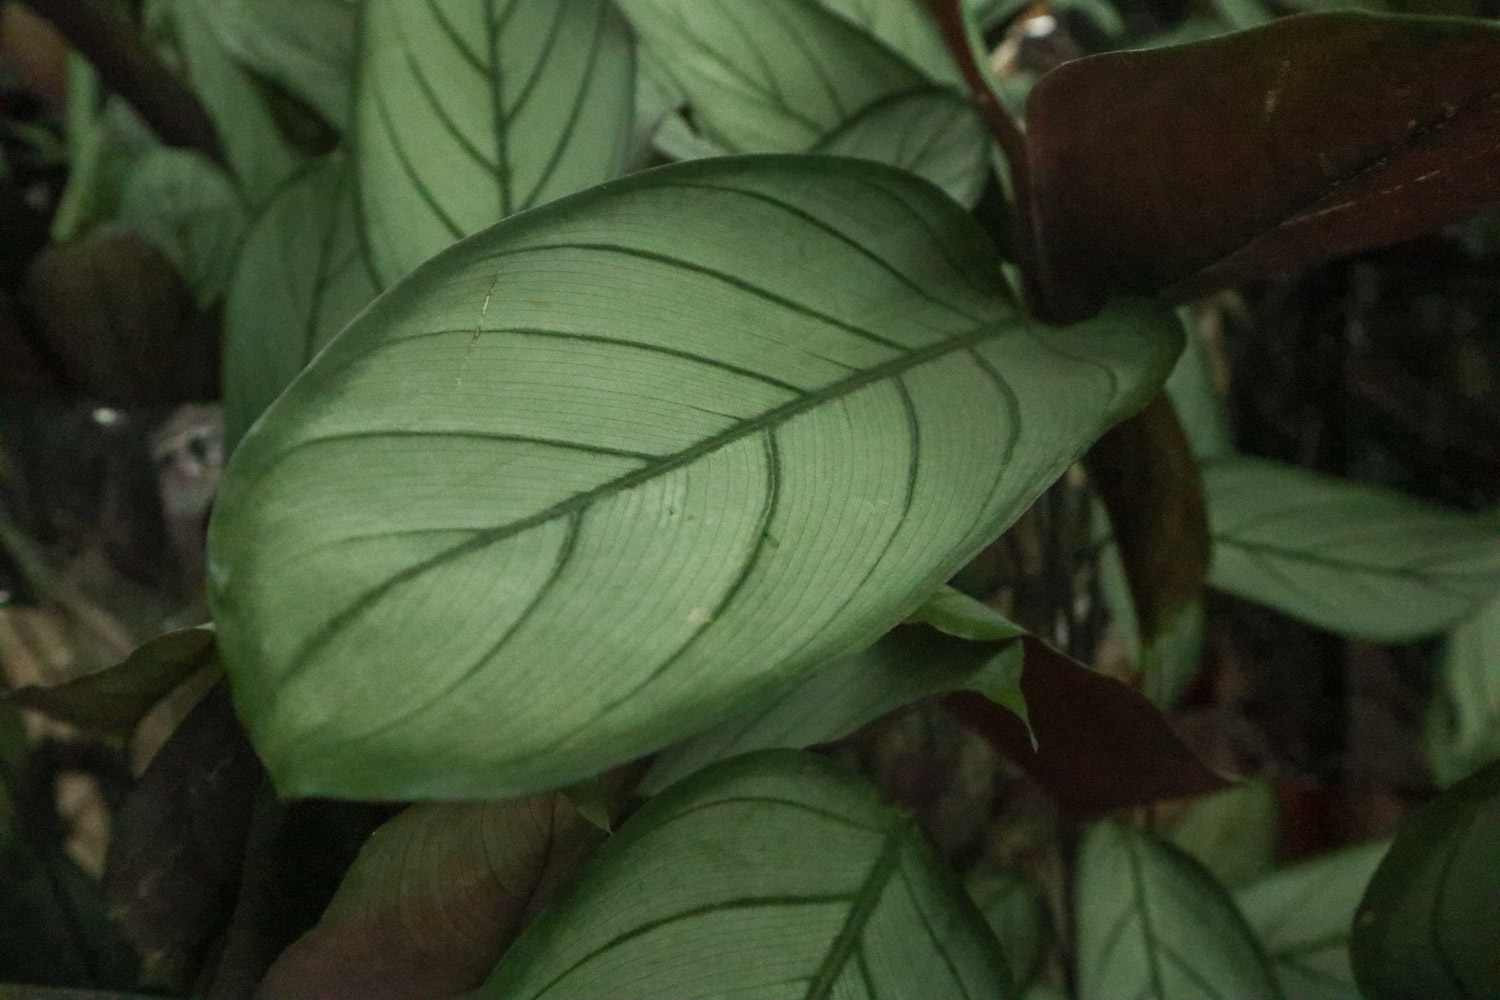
(906, 27)
(470, 110)
(1351, 558)
(180, 202)
(587, 484)
(301, 277)
(1153, 924)
(772, 875)
(1463, 731)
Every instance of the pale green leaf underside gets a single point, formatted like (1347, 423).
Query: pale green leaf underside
(1303, 916)
(775, 76)
(932, 132)
(1463, 731)
(1154, 925)
(772, 877)
(1350, 558)
(300, 278)
(470, 110)
(599, 477)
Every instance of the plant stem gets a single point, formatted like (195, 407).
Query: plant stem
(107, 38)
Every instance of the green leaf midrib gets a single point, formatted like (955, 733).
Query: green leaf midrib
(845, 945)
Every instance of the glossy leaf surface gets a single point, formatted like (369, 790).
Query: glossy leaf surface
(1188, 168)
(1354, 559)
(774, 76)
(589, 483)
(1429, 924)
(301, 277)
(1304, 915)
(1153, 924)
(1463, 731)
(679, 906)
(468, 111)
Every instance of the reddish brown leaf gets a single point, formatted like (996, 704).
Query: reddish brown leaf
(1184, 169)
(1145, 473)
(433, 901)
(1100, 745)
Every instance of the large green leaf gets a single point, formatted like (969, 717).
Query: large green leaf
(1350, 558)
(906, 27)
(1463, 731)
(470, 110)
(770, 876)
(588, 483)
(774, 76)
(1429, 924)
(1153, 924)
(1303, 916)
(301, 277)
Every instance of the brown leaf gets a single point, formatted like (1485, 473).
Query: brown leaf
(1185, 169)
(1100, 745)
(1145, 473)
(434, 899)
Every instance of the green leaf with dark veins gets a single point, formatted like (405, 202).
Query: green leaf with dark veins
(906, 27)
(604, 475)
(772, 875)
(468, 111)
(1354, 559)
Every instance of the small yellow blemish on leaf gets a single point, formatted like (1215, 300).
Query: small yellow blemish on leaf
(699, 615)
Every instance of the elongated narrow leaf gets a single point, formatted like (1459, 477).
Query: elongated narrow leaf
(906, 27)
(434, 899)
(301, 277)
(1304, 915)
(1153, 924)
(772, 875)
(774, 76)
(1463, 731)
(470, 110)
(1429, 924)
(1350, 558)
(595, 480)
(933, 132)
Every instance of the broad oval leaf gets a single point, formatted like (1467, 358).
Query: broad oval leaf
(1153, 924)
(1303, 916)
(771, 875)
(597, 478)
(1354, 559)
(467, 111)
(1429, 924)
(301, 276)
(1463, 727)
(775, 76)
(933, 132)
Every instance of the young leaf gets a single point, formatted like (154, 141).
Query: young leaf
(470, 111)
(1208, 164)
(772, 875)
(301, 277)
(1153, 924)
(1429, 924)
(434, 899)
(933, 132)
(1303, 916)
(774, 76)
(180, 202)
(1350, 558)
(1463, 731)
(591, 482)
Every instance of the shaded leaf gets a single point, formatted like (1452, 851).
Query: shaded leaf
(178, 845)
(775, 76)
(1429, 923)
(9, 991)
(932, 132)
(776, 874)
(301, 277)
(1094, 743)
(1153, 924)
(906, 28)
(1234, 833)
(470, 110)
(1017, 913)
(1205, 165)
(1354, 559)
(1463, 726)
(1200, 407)
(1168, 666)
(1303, 916)
(180, 202)
(952, 612)
(434, 899)
(699, 370)
(113, 701)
